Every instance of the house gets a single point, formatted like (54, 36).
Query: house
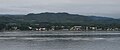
(40, 29)
(30, 28)
(76, 28)
(93, 28)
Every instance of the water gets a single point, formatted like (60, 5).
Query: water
(13, 43)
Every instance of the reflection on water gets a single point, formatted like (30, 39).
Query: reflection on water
(63, 44)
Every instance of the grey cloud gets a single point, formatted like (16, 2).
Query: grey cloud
(87, 7)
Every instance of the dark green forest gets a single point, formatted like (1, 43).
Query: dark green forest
(55, 19)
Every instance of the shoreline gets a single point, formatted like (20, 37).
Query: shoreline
(69, 31)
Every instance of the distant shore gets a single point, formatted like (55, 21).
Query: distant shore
(67, 31)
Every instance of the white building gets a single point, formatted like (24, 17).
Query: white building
(76, 28)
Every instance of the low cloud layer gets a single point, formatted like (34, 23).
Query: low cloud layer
(109, 8)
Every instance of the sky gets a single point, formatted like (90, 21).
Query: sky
(106, 8)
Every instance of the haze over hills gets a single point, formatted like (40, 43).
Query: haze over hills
(58, 18)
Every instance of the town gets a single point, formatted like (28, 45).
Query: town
(53, 27)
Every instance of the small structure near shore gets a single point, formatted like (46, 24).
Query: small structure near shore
(76, 28)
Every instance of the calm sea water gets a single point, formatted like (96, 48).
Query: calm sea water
(13, 43)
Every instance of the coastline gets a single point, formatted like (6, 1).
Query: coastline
(69, 31)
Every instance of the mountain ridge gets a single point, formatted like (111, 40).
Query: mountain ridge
(59, 18)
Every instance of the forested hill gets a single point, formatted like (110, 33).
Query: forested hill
(57, 18)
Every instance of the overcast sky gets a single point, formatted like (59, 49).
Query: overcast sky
(109, 8)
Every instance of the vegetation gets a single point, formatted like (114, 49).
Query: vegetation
(47, 20)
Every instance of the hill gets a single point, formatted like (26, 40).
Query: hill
(58, 18)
